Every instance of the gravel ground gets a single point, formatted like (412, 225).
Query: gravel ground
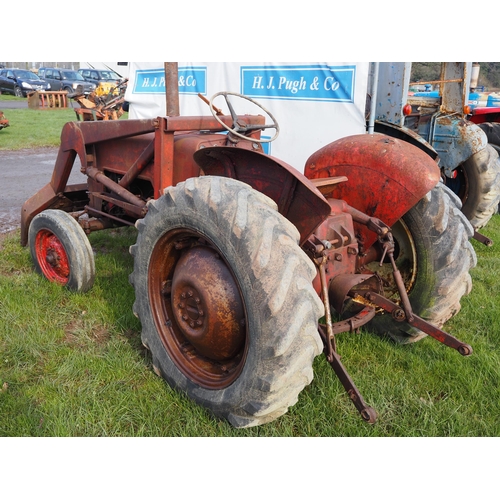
(22, 174)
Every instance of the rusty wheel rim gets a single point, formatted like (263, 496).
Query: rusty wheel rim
(406, 261)
(198, 308)
(52, 257)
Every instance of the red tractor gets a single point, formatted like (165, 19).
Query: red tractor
(245, 269)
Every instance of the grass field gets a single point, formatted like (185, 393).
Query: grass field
(73, 365)
(34, 128)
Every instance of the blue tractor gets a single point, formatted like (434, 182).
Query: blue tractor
(439, 124)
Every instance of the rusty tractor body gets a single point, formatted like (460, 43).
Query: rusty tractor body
(239, 255)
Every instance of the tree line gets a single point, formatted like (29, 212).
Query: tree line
(489, 74)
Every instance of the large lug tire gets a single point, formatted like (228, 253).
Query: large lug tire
(477, 184)
(434, 256)
(225, 297)
(61, 250)
(492, 131)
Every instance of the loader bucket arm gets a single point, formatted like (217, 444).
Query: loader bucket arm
(75, 137)
(85, 138)
(386, 176)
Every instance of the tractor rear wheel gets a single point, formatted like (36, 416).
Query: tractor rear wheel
(225, 297)
(61, 250)
(434, 256)
(492, 131)
(477, 184)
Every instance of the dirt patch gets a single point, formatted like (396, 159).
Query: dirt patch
(78, 334)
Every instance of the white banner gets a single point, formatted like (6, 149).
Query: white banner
(314, 103)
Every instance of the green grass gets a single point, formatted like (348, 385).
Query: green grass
(34, 128)
(73, 364)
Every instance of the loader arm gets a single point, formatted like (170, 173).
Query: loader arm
(127, 140)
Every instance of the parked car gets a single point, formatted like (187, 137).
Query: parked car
(20, 82)
(100, 75)
(66, 79)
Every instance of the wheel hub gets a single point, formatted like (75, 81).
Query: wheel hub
(206, 304)
(52, 257)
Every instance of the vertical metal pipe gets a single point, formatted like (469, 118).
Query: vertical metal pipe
(373, 103)
(172, 88)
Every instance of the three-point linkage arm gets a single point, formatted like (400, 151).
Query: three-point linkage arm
(370, 299)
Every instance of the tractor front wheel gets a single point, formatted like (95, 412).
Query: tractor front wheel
(225, 298)
(61, 250)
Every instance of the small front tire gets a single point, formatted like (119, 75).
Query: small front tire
(61, 250)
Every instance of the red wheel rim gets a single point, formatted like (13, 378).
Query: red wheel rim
(52, 257)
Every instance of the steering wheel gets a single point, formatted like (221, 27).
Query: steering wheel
(237, 128)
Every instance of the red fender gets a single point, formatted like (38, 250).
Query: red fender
(386, 176)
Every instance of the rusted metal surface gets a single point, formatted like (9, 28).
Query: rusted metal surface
(129, 149)
(341, 285)
(297, 198)
(206, 304)
(42, 99)
(399, 314)
(483, 239)
(455, 140)
(172, 89)
(382, 177)
(105, 103)
(408, 134)
(197, 308)
(368, 414)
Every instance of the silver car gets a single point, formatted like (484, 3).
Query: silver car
(67, 79)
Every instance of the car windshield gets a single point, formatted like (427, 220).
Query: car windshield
(110, 75)
(71, 75)
(26, 75)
